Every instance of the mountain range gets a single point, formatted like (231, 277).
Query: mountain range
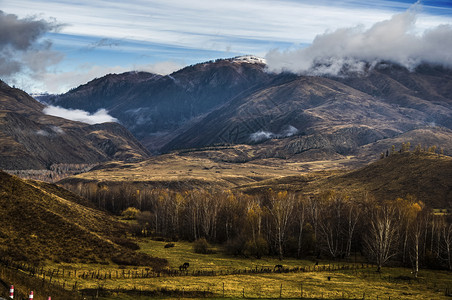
(157, 108)
(236, 101)
(231, 102)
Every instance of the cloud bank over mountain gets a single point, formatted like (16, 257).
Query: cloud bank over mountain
(351, 49)
(100, 116)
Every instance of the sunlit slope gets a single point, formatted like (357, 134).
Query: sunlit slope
(427, 176)
(37, 224)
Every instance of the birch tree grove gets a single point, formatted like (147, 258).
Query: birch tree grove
(330, 224)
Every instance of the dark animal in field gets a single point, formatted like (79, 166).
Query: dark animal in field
(316, 263)
(278, 267)
(184, 266)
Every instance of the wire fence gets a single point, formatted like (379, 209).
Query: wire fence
(140, 273)
(64, 279)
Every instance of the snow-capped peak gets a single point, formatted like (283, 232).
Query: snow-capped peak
(251, 59)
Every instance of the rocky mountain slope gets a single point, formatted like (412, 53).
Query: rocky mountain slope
(32, 140)
(235, 101)
(297, 114)
(155, 108)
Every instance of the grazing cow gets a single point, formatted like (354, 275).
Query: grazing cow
(184, 266)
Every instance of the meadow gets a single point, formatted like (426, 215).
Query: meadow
(359, 281)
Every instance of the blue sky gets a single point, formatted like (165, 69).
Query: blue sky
(91, 38)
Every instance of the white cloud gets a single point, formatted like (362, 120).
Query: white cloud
(200, 24)
(62, 82)
(396, 40)
(100, 116)
(289, 131)
(189, 31)
(42, 132)
(262, 135)
(57, 129)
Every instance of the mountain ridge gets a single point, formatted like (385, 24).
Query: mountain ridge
(317, 106)
(201, 106)
(152, 109)
(31, 139)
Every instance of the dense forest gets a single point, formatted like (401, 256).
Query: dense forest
(332, 224)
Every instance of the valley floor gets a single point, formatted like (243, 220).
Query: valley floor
(247, 278)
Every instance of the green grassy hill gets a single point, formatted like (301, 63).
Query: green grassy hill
(40, 223)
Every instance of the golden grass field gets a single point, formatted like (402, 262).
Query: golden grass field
(205, 171)
(343, 284)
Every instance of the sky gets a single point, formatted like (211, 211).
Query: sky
(55, 45)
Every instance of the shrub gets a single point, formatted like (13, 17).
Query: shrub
(235, 246)
(202, 246)
(256, 248)
(130, 213)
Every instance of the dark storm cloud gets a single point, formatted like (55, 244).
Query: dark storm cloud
(20, 46)
(20, 34)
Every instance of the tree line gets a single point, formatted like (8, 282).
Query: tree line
(333, 224)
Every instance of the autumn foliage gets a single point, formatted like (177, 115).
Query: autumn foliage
(334, 224)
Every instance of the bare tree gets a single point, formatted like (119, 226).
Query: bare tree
(312, 209)
(254, 214)
(417, 220)
(300, 213)
(331, 222)
(193, 212)
(446, 232)
(209, 208)
(352, 215)
(282, 205)
(382, 232)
